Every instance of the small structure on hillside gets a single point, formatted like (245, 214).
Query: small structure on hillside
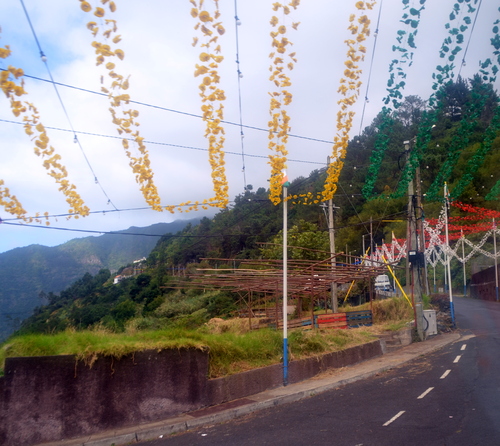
(259, 282)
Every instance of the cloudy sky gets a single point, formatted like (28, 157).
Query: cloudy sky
(157, 41)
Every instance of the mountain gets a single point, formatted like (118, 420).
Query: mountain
(27, 274)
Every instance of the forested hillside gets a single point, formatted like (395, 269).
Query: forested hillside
(454, 140)
(28, 274)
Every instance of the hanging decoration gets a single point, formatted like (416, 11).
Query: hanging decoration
(406, 39)
(11, 204)
(460, 140)
(406, 45)
(381, 142)
(279, 125)
(212, 96)
(489, 69)
(35, 129)
(349, 88)
(442, 76)
(124, 119)
(475, 221)
(494, 193)
(478, 158)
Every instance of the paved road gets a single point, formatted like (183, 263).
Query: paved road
(450, 397)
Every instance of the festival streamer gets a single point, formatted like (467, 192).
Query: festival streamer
(124, 119)
(442, 76)
(35, 129)
(406, 43)
(460, 140)
(283, 60)
(349, 88)
(212, 96)
(477, 159)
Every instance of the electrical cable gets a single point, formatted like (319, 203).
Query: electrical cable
(161, 143)
(237, 23)
(470, 38)
(371, 67)
(44, 60)
(91, 231)
(260, 129)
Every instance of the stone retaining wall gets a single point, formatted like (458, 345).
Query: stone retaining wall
(57, 397)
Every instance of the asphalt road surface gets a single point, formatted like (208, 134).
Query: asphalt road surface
(450, 397)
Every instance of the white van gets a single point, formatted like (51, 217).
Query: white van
(382, 283)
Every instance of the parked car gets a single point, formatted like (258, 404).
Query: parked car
(382, 283)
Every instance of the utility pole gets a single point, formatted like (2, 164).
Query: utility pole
(414, 257)
(331, 232)
(420, 229)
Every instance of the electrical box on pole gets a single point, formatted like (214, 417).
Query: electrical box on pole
(415, 255)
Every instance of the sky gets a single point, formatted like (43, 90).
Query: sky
(159, 57)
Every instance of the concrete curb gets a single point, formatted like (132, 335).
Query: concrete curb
(269, 398)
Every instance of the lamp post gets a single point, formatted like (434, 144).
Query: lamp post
(285, 184)
(496, 260)
(448, 267)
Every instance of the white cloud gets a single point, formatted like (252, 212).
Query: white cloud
(156, 38)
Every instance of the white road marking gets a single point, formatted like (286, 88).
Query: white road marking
(464, 347)
(457, 359)
(395, 417)
(445, 374)
(425, 393)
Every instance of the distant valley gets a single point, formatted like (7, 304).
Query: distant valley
(29, 272)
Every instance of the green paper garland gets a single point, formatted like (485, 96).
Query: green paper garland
(459, 142)
(478, 158)
(395, 85)
(378, 153)
(442, 76)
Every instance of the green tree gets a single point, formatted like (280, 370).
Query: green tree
(305, 241)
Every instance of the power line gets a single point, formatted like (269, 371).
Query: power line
(158, 107)
(470, 38)
(44, 60)
(91, 231)
(160, 143)
(237, 23)
(370, 70)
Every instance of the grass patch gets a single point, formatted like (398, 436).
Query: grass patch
(232, 346)
(229, 352)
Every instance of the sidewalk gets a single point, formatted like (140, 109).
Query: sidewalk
(283, 395)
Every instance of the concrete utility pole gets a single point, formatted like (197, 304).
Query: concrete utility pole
(414, 256)
(331, 232)
(420, 228)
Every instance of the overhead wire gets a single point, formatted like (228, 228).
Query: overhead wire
(469, 39)
(237, 23)
(44, 60)
(158, 107)
(366, 100)
(160, 143)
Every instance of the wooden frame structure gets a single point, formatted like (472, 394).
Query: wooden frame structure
(260, 281)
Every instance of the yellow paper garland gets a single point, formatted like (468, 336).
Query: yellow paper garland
(35, 129)
(212, 97)
(126, 120)
(280, 98)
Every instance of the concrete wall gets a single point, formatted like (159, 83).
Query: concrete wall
(254, 381)
(483, 285)
(55, 397)
(51, 398)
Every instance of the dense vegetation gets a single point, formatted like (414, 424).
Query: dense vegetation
(28, 274)
(153, 300)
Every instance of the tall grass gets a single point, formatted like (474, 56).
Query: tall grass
(229, 352)
(232, 346)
